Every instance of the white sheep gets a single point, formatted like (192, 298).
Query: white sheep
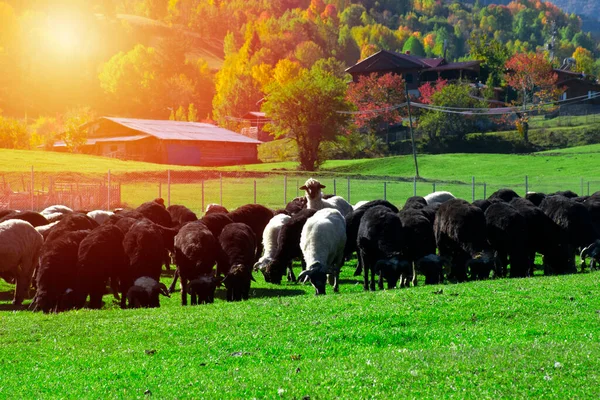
(55, 212)
(269, 237)
(315, 200)
(438, 197)
(20, 246)
(100, 215)
(322, 242)
(43, 229)
(360, 204)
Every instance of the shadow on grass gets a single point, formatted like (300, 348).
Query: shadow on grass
(256, 293)
(12, 307)
(7, 296)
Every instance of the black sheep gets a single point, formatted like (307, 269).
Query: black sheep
(181, 214)
(70, 223)
(256, 217)
(57, 270)
(203, 289)
(535, 197)
(101, 257)
(34, 218)
(416, 202)
(569, 194)
(419, 240)
(145, 293)
(288, 247)
(483, 204)
(296, 205)
(215, 209)
(379, 243)
(155, 212)
(544, 237)
(4, 213)
(508, 235)
(460, 235)
(196, 253)
(216, 222)
(506, 195)
(576, 223)
(239, 244)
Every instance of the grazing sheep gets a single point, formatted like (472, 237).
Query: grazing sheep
(100, 216)
(181, 214)
(256, 217)
(460, 235)
(535, 197)
(507, 234)
(202, 289)
(505, 195)
(239, 244)
(216, 222)
(56, 212)
(576, 223)
(196, 252)
(360, 204)
(20, 246)
(322, 242)
(288, 248)
(101, 258)
(270, 237)
(34, 218)
(145, 293)
(592, 251)
(4, 213)
(438, 197)
(156, 212)
(316, 201)
(418, 239)
(544, 237)
(379, 241)
(483, 204)
(70, 223)
(57, 271)
(432, 267)
(215, 208)
(45, 229)
(569, 194)
(417, 202)
(296, 205)
(352, 225)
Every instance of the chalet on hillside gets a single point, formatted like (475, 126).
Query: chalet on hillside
(415, 70)
(167, 142)
(257, 121)
(576, 85)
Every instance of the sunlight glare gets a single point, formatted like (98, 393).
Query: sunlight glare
(64, 33)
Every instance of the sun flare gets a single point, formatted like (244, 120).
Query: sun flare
(64, 34)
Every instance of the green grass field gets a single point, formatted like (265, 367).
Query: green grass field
(535, 337)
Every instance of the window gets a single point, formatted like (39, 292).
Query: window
(563, 96)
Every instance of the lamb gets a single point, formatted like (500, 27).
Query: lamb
(270, 237)
(34, 218)
(181, 214)
(101, 257)
(256, 217)
(100, 216)
(460, 235)
(57, 271)
(215, 208)
(315, 200)
(438, 197)
(322, 242)
(432, 267)
(379, 243)
(418, 242)
(145, 293)
(196, 252)
(508, 235)
(352, 225)
(506, 195)
(20, 246)
(239, 244)
(288, 248)
(202, 289)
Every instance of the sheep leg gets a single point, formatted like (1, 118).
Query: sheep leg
(336, 278)
(184, 289)
(96, 300)
(174, 283)
(366, 272)
(359, 267)
(380, 281)
(23, 282)
(291, 277)
(592, 264)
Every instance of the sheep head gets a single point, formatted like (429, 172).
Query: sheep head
(393, 269)
(481, 265)
(313, 188)
(237, 282)
(316, 276)
(204, 287)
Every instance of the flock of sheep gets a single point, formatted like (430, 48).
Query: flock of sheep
(69, 255)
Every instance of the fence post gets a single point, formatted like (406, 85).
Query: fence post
(159, 190)
(414, 186)
(348, 180)
(108, 193)
(588, 193)
(433, 187)
(384, 190)
(32, 190)
(334, 187)
(202, 195)
(168, 188)
(221, 187)
(484, 190)
(581, 191)
(472, 189)
(526, 184)
(284, 190)
(255, 191)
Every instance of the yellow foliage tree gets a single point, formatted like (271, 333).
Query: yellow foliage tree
(584, 60)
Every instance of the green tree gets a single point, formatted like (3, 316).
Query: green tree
(192, 113)
(305, 109)
(75, 135)
(13, 134)
(414, 45)
(493, 54)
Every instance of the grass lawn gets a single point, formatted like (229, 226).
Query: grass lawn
(517, 338)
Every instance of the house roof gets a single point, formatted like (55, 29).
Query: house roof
(457, 65)
(93, 141)
(179, 130)
(255, 114)
(386, 60)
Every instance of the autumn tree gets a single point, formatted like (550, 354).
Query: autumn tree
(305, 109)
(532, 76)
(584, 61)
(75, 135)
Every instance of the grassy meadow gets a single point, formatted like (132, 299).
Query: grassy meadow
(517, 338)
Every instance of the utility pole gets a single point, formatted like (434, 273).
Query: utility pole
(412, 137)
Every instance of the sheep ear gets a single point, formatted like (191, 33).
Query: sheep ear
(322, 186)
(303, 187)
(304, 276)
(257, 266)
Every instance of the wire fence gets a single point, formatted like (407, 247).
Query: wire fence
(196, 190)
